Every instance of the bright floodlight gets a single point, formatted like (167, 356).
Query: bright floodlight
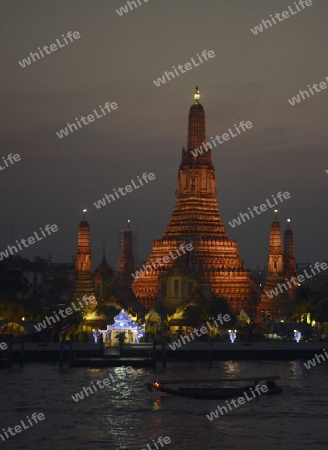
(196, 95)
(232, 334)
(297, 335)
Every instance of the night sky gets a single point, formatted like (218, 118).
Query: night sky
(116, 59)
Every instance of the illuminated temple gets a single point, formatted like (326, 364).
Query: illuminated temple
(214, 261)
(281, 267)
(83, 283)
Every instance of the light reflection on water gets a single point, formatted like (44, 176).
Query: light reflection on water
(125, 416)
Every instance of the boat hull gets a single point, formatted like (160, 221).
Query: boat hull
(213, 394)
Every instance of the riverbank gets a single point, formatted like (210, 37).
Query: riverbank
(194, 351)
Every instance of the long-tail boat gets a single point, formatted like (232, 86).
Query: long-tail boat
(215, 392)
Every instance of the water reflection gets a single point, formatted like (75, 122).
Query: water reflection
(296, 368)
(231, 368)
(126, 416)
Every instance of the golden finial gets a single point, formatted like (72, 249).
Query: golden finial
(196, 96)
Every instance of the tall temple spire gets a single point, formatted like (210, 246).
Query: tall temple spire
(278, 291)
(275, 261)
(289, 254)
(196, 220)
(125, 260)
(103, 277)
(196, 124)
(196, 191)
(83, 284)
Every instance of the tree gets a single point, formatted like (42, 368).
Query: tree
(12, 282)
(303, 304)
(108, 311)
(321, 311)
(205, 310)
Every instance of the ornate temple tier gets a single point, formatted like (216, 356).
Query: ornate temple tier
(196, 220)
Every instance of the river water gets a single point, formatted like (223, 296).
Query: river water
(125, 416)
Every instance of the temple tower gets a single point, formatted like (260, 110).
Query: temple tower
(276, 298)
(103, 280)
(83, 283)
(289, 258)
(289, 254)
(276, 259)
(196, 220)
(125, 264)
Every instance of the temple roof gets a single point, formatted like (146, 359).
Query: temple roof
(103, 266)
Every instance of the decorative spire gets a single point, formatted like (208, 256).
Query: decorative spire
(83, 284)
(275, 262)
(125, 265)
(289, 253)
(196, 124)
(84, 216)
